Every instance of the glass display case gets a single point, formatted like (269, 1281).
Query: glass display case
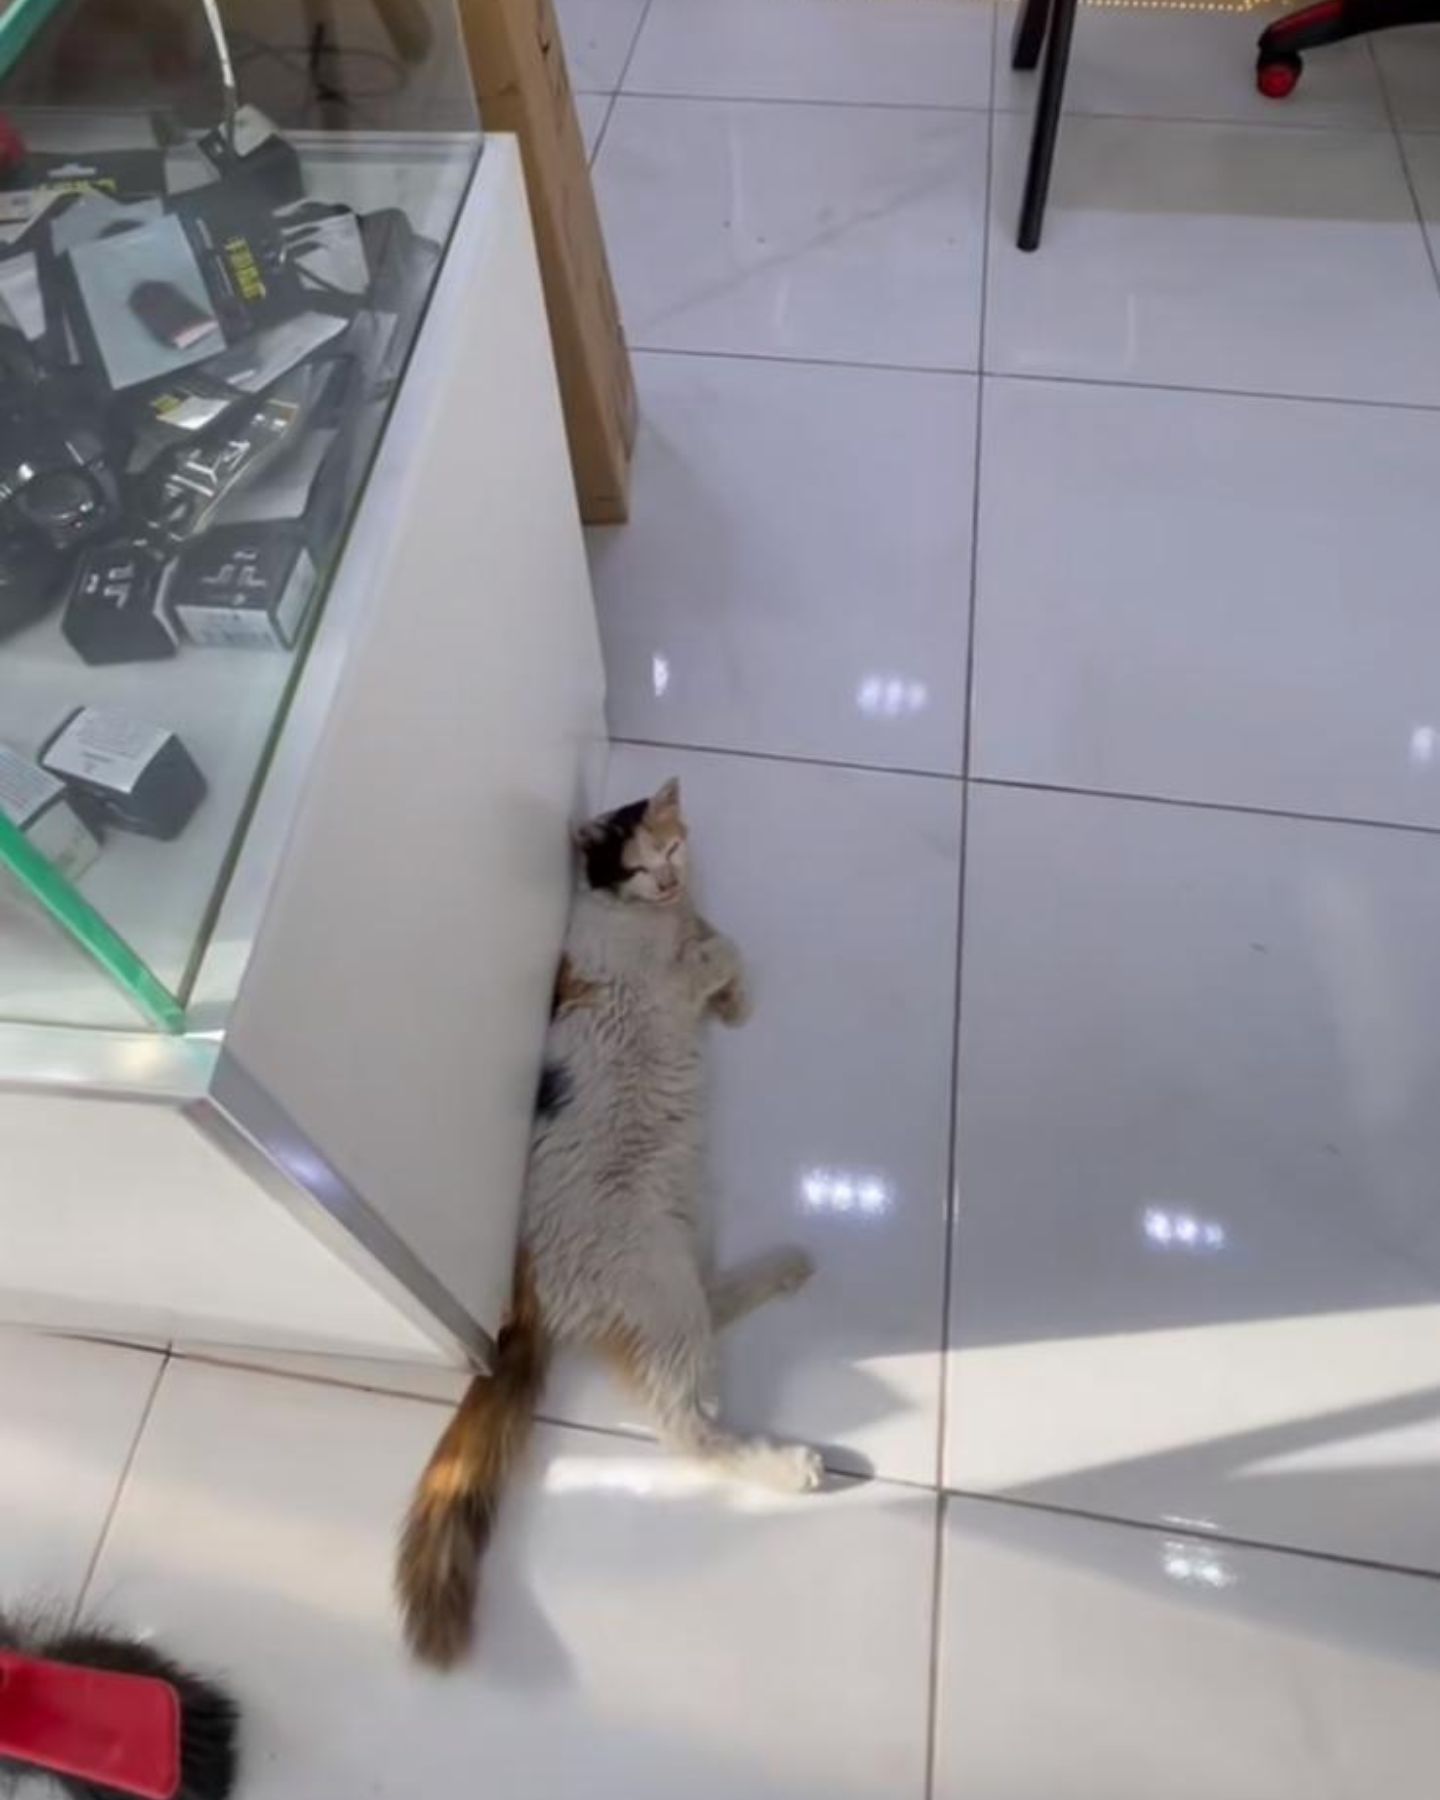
(220, 228)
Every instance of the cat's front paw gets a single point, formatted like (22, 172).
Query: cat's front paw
(793, 1268)
(731, 1005)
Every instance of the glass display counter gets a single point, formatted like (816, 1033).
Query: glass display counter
(299, 680)
(220, 227)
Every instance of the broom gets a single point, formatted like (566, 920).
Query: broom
(111, 1718)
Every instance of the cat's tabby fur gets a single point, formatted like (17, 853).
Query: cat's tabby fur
(610, 1247)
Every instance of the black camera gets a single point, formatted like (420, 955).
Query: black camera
(56, 475)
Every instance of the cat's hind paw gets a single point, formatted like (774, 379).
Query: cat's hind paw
(783, 1468)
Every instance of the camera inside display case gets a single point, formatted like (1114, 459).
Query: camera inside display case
(216, 245)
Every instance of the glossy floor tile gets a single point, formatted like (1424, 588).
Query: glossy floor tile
(644, 1633)
(850, 234)
(69, 1416)
(1143, 61)
(830, 1119)
(598, 36)
(905, 52)
(1409, 61)
(1222, 604)
(1216, 256)
(832, 625)
(1095, 1662)
(1197, 1257)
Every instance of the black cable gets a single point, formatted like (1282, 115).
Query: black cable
(330, 84)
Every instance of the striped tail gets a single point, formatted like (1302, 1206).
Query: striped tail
(451, 1517)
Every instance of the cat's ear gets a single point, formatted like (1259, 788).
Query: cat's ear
(664, 804)
(587, 832)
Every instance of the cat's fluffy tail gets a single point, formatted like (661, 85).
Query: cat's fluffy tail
(453, 1511)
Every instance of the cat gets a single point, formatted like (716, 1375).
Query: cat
(610, 1252)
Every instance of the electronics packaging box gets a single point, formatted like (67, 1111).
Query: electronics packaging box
(519, 69)
(36, 802)
(138, 775)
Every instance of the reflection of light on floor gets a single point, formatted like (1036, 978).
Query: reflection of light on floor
(662, 1476)
(1196, 1565)
(891, 696)
(1400, 1447)
(659, 675)
(1183, 1522)
(846, 1191)
(1424, 743)
(1197, 1392)
(1171, 1229)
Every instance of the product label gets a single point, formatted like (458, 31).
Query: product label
(190, 406)
(25, 788)
(106, 748)
(216, 627)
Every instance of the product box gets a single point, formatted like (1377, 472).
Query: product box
(138, 776)
(115, 609)
(518, 66)
(249, 586)
(36, 802)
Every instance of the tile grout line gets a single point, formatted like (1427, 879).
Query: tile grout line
(623, 1434)
(1042, 376)
(591, 160)
(121, 1483)
(777, 756)
(617, 1433)
(629, 57)
(952, 1169)
(969, 782)
(239, 1365)
(1224, 393)
(793, 361)
(898, 106)
(937, 1648)
(612, 96)
(1159, 1529)
(1292, 127)
(1125, 795)
(1400, 150)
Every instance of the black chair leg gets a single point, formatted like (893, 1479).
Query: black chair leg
(1047, 122)
(1029, 33)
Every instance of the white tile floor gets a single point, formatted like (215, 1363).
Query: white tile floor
(1185, 462)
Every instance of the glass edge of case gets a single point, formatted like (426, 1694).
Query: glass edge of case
(18, 24)
(88, 929)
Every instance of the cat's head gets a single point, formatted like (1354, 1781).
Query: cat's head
(638, 851)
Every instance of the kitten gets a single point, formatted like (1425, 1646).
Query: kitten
(609, 1252)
